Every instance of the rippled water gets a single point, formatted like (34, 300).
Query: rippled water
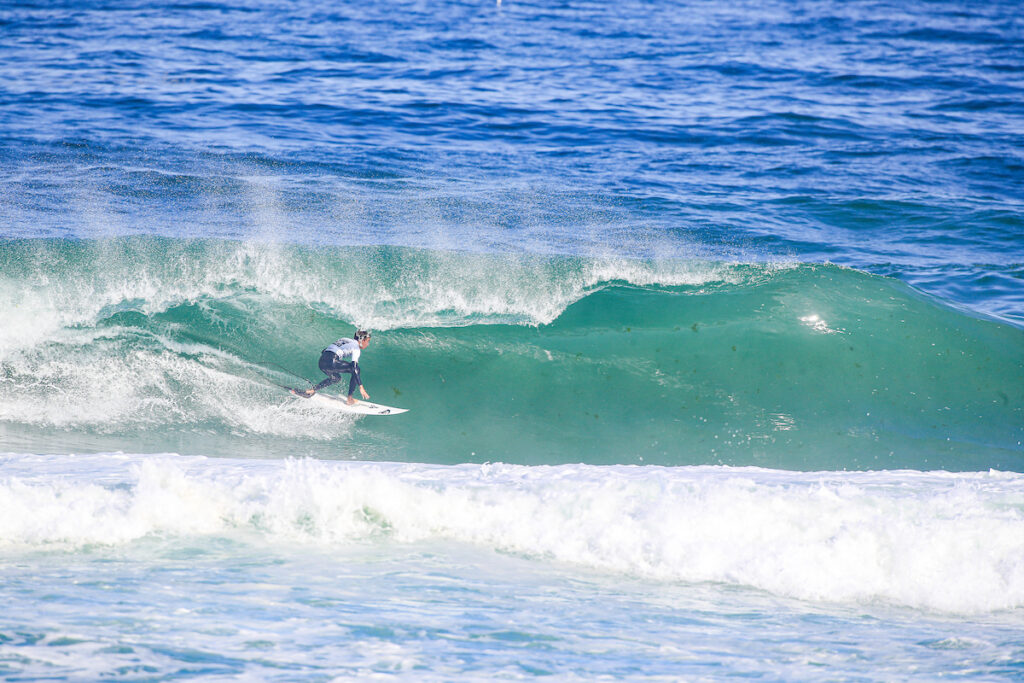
(884, 136)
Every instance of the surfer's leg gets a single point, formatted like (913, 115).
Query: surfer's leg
(346, 367)
(328, 366)
(331, 379)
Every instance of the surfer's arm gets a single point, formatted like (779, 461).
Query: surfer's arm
(358, 380)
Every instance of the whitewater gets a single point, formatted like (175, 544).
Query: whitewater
(709, 319)
(383, 558)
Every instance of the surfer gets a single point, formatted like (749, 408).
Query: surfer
(342, 358)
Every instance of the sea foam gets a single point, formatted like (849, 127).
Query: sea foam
(934, 541)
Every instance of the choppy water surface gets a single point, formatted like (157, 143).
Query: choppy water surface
(884, 136)
(708, 316)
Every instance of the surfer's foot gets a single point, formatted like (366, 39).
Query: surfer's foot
(351, 401)
(304, 394)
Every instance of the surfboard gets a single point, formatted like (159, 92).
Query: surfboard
(359, 408)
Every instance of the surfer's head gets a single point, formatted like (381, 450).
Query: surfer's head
(363, 337)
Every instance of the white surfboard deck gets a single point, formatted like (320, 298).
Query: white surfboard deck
(359, 408)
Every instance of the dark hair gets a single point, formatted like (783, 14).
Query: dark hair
(362, 334)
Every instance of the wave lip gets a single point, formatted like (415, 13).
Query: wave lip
(932, 541)
(47, 286)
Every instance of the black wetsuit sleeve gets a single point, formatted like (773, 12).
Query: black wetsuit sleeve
(356, 380)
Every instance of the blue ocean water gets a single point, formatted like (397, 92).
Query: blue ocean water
(709, 317)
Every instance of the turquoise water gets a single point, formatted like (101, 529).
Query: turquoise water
(709, 320)
(511, 358)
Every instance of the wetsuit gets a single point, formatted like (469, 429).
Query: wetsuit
(341, 358)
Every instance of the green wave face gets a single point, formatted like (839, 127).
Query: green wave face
(168, 345)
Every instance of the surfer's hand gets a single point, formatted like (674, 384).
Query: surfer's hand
(366, 396)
